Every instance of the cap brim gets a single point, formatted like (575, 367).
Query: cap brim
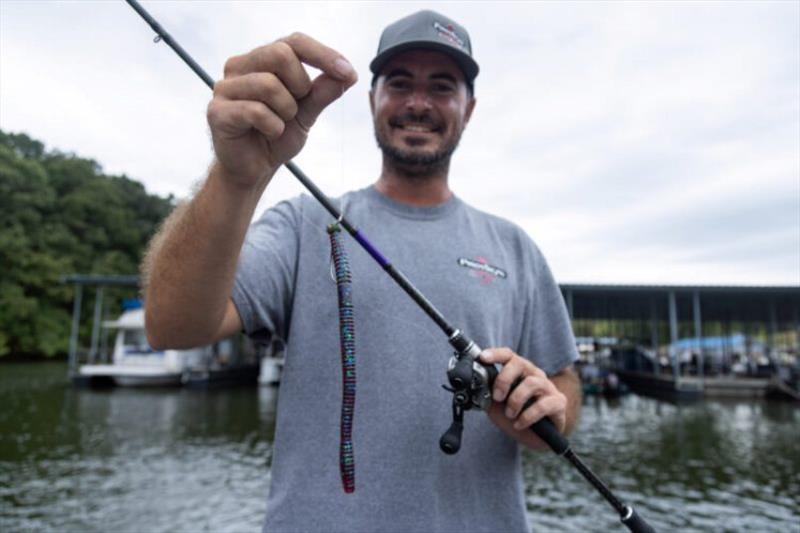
(468, 65)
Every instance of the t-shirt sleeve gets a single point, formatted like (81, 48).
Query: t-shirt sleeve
(547, 337)
(263, 287)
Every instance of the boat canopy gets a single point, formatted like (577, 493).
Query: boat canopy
(133, 319)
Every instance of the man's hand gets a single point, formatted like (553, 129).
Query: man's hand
(263, 108)
(535, 396)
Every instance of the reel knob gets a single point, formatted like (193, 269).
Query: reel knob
(450, 442)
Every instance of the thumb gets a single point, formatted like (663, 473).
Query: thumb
(324, 91)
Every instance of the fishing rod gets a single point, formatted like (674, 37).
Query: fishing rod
(470, 380)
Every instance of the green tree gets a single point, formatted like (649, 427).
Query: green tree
(59, 214)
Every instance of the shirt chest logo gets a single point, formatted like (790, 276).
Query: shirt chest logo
(481, 269)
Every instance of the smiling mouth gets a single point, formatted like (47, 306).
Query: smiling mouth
(417, 129)
(414, 127)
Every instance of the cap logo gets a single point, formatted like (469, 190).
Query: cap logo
(449, 34)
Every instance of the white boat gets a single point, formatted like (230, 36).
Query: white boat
(272, 363)
(271, 368)
(135, 364)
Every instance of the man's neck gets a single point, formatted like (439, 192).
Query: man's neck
(414, 189)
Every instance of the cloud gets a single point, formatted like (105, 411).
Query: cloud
(636, 142)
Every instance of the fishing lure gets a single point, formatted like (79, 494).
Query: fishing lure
(347, 346)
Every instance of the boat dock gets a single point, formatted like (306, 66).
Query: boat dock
(129, 361)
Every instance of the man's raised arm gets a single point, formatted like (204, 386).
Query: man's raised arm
(259, 117)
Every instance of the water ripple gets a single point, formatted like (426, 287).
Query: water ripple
(130, 461)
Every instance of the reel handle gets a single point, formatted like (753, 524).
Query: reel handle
(450, 442)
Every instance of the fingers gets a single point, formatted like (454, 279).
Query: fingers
(553, 405)
(264, 87)
(323, 92)
(236, 118)
(530, 388)
(326, 59)
(285, 57)
(514, 367)
(277, 58)
(528, 393)
(274, 75)
(337, 76)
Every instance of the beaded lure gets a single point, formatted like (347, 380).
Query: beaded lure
(347, 347)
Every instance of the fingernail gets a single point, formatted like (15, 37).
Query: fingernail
(497, 395)
(343, 68)
(486, 356)
(517, 426)
(509, 413)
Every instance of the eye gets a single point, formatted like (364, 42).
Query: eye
(443, 88)
(398, 84)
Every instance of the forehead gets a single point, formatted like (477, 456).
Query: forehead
(423, 63)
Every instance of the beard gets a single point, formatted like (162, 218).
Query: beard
(412, 163)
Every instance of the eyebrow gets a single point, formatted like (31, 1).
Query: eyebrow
(398, 72)
(401, 72)
(445, 76)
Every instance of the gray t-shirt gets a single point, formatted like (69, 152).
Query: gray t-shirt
(488, 279)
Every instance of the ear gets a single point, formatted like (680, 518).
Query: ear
(371, 96)
(470, 108)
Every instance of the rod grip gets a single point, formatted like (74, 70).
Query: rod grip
(636, 523)
(546, 430)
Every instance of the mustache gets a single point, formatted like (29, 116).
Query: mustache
(413, 119)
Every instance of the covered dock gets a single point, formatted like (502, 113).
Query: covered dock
(713, 325)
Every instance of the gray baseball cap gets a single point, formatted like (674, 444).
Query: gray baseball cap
(431, 31)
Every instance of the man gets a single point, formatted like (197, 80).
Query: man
(210, 277)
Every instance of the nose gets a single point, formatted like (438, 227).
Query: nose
(418, 101)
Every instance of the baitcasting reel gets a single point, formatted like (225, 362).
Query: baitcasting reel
(471, 384)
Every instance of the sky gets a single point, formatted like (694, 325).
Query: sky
(635, 142)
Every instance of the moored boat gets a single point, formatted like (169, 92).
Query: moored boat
(134, 363)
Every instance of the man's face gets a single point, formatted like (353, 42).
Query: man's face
(420, 106)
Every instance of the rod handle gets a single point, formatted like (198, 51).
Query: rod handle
(636, 523)
(546, 430)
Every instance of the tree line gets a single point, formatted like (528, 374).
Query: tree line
(60, 214)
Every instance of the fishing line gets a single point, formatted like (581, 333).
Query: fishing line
(470, 380)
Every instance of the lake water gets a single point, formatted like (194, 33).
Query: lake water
(189, 460)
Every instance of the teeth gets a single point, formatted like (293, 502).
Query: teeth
(417, 128)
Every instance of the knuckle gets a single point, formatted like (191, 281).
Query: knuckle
(295, 36)
(282, 52)
(231, 66)
(503, 381)
(265, 85)
(556, 404)
(272, 127)
(562, 400)
(291, 109)
(214, 111)
(219, 88)
(533, 413)
(268, 80)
